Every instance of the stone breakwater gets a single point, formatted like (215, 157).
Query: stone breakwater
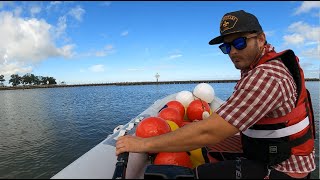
(122, 84)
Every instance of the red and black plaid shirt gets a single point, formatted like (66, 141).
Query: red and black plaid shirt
(267, 90)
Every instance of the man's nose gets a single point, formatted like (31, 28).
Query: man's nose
(233, 50)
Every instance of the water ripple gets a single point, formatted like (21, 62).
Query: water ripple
(44, 130)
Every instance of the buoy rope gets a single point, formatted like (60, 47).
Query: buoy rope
(203, 107)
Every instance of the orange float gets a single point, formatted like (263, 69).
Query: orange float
(152, 126)
(172, 115)
(196, 108)
(173, 158)
(178, 106)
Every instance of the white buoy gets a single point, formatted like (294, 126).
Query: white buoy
(216, 103)
(185, 98)
(205, 114)
(205, 92)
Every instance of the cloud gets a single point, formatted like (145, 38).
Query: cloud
(175, 56)
(4, 3)
(125, 33)
(307, 6)
(17, 11)
(311, 70)
(60, 29)
(61, 26)
(307, 65)
(26, 42)
(293, 39)
(53, 4)
(302, 32)
(312, 52)
(67, 51)
(97, 68)
(14, 68)
(308, 31)
(314, 73)
(311, 43)
(77, 13)
(108, 49)
(35, 10)
(304, 36)
(106, 3)
(317, 14)
(269, 33)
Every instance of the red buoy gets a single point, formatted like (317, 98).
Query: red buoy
(196, 108)
(178, 106)
(152, 126)
(172, 115)
(173, 158)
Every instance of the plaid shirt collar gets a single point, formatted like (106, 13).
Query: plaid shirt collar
(267, 48)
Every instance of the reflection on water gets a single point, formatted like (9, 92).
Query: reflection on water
(44, 130)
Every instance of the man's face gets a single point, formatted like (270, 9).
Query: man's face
(242, 59)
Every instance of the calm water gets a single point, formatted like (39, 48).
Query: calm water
(44, 130)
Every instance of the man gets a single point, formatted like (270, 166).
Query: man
(269, 106)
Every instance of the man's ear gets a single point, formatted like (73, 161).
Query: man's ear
(261, 39)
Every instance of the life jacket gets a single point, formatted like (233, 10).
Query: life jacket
(273, 140)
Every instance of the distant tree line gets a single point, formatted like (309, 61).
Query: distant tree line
(30, 79)
(1, 80)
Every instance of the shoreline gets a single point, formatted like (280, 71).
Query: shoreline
(125, 84)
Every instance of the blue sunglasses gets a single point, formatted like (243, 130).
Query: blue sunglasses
(239, 43)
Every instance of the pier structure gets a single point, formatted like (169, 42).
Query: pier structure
(123, 84)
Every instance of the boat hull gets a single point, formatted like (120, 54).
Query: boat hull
(99, 162)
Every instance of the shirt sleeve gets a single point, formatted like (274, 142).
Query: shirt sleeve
(255, 96)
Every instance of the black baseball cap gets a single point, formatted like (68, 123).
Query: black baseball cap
(235, 22)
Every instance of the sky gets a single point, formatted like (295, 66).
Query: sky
(121, 41)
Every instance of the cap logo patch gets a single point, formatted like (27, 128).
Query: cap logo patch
(228, 22)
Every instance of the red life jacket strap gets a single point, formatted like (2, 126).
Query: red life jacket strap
(299, 111)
